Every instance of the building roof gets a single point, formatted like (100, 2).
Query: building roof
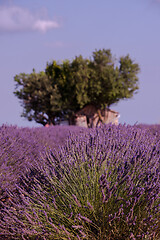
(90, 110)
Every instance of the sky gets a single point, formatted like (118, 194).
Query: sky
(34, 32)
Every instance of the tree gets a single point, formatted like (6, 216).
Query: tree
(41, 100)
(65, 88)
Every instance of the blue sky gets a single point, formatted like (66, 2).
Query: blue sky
(35, 32)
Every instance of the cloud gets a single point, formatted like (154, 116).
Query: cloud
(43, 25)
(18, 19)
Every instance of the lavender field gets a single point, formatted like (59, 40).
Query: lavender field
(67, 182)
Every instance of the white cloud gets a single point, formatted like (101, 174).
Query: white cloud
(17, 19)
(43, 25)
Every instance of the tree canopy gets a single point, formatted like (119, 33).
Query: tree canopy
(65, 88)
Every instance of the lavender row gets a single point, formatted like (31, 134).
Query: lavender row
(101, 184)
(21, 148)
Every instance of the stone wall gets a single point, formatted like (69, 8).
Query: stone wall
(90, 116)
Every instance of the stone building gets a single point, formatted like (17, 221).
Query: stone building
(90, 116)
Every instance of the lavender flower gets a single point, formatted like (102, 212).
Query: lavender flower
(100, 183)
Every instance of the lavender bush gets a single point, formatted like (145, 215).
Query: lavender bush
(21, 148)
(101, 184)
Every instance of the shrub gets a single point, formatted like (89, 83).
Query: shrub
(102, 184)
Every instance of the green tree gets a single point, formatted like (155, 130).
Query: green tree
(110, 82)
(41, 100)
(65, 88)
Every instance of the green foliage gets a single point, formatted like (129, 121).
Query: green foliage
(110, 83)
(67, 87)
(40, 99)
